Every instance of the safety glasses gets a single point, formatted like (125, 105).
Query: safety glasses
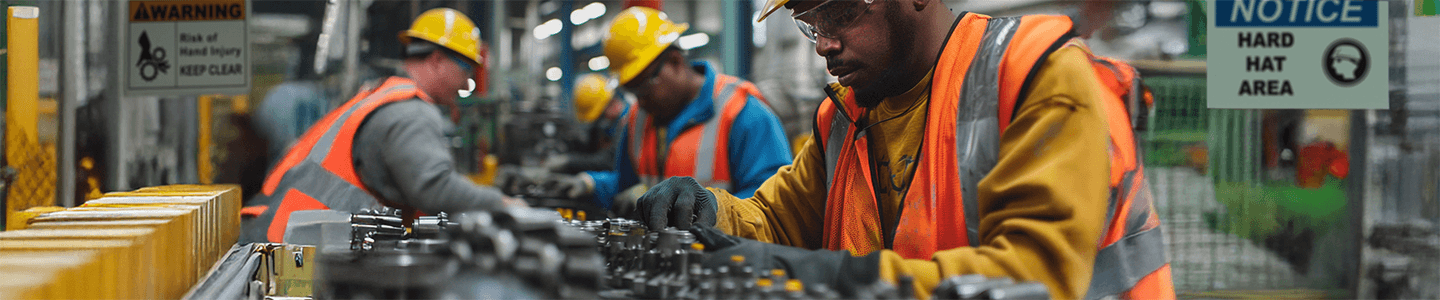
(464, 64)
(829, 17)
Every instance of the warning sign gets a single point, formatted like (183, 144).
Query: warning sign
(1298, 54)
(173, 11)
(187, 47)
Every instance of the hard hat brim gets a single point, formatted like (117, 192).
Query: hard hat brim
(770, 7)
(472, 55)
(629, 71)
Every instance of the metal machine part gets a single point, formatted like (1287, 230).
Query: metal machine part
(981, 287)
(534, 253)
(666, 263)
(529, 184)
(1410, 252)
(512, 253)
(255, 271)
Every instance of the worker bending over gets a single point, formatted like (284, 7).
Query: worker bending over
(692, 121)
(950, 146)
(388, 145)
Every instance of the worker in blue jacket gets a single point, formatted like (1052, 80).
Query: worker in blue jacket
(693, 121)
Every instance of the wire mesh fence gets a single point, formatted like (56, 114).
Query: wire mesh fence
(1205, 168)
(34, 167)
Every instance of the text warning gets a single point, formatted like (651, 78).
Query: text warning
(1297, 54)
(187, 47)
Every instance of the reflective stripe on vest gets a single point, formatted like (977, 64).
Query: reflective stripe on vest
(318, 172)
(729, 98)
(995, 57)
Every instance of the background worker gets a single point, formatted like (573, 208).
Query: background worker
(599, 109)
(692, 121)
(388, 145)
(950, 146)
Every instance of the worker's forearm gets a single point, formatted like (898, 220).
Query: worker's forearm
(429, 183)
(788, 209)
(600, 160)
(607, 185)
(455, 194)
(417, 156)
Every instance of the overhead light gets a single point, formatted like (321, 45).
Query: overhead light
(599, 63)
(547, 29)
(554, 73)
(579, 16)
(596, 9)
(693, 41)
(590, 12)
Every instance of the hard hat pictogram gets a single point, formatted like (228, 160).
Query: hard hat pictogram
(1346, 62)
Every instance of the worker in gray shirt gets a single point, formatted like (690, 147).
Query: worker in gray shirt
(387, 145)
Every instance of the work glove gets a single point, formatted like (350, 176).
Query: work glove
(626, 201)
(557, 163)
(573, 187)
(677, 202)
(511, 182)
(836, 270)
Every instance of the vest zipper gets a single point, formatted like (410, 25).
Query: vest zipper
(887, 231)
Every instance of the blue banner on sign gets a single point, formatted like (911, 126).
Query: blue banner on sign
(1296, 13)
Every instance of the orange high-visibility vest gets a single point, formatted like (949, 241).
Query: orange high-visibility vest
(700, 150)
(319, 170)
(979, 82)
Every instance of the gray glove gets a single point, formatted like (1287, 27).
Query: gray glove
(511, 182)
(572, 187)
(835, 269)
(557, 163)
(677, 202)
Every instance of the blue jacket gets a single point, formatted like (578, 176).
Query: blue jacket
(757, 145)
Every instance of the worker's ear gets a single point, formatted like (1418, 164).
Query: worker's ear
(920, 4)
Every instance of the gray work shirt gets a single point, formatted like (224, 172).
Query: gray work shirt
(402, 154)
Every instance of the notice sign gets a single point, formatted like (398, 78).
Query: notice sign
(187, 47)
(1298, 54)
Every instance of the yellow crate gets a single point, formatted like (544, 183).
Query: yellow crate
(185, 227)
(102, 224)
(150, 243)
(17, 220)
(210, 226)
(167, 279)
(220, 215)
(31, 284)
(169, 230)
(67, 266)
(211, 235)
(118, 272)
(190, 216)
(218, 188)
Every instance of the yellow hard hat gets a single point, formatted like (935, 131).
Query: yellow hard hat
(592, 93)
(770, 7)
(638, 35)
(448, 28)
